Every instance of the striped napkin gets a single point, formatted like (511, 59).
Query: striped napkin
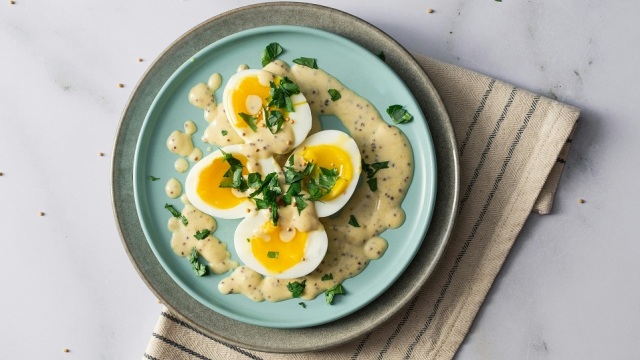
(512, 146)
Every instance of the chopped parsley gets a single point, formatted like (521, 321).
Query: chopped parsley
(270, 53)
(224, 132)
(399, 114)
(305, 61)
(176, 214)
(381, 56)
(269, 189)
(371, 170)
(153, 178)
(296, 288)
(199, 268)
(273, 254)
(202, 234)
(353, 222)
(275, 119)
(281, 94)
(233, 177)
(304, 306)
(326, 277)
(250, 120)
(335, 94)
(331, 293)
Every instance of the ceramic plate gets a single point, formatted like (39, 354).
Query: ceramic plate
(159, 101)
(359, 70)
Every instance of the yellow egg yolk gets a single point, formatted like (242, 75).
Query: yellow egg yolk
(249, 96)
(331, 157)
(209, 189)
(277, 255)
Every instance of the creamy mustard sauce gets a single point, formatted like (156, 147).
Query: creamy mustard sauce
(181, 143)
(350, 248)
(210, 248)
(181, 165)
(173, 188)
(219, 132)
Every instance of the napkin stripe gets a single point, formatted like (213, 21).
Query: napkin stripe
(355, 355)
(476, 174)
(187, 326)
(476, 116)
(147, 356)
(476, 226)
(485, 152)
(179, 346)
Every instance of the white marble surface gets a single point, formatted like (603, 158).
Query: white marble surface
(570, 288)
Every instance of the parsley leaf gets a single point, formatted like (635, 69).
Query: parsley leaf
(304, 306)
(270, 53)
(381, 56)
(273, 254)
(224, 132)
(296, 288)
(353, 222)
(233, 177)
(335, 94)
(326, 277)
(199, 268)
(250, 120)
(305, 61)
(274, 119)
(336, 290)
(202, 234)
(153, 178)
(281, 94)
(371, 170)
(399, 114)
(176, 214)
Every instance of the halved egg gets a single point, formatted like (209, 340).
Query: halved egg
(279, 251)
(331, 149)
(202, 185)
(246, 99)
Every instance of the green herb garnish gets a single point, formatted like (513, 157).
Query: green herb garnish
(335, 94)
(269, 189)
(296, 288)
(153, 178)
(353, 222)
(273, 254)
(336, 290)
(371, 170)
(176, 214)
(399, 114)
(381, 56)
(199, 268)
(274, 119)
(201, 234)
(271, 52)
(250, 120)
(281, 94)
(326, 277)
(304, 306)
(233, 177)
(305, 61)
(224, 132)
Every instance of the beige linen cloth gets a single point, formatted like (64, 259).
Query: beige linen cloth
(512, 146)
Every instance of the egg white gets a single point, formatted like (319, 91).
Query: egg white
(314, 252)
(345, 142)
(301, 116)
(268, 165)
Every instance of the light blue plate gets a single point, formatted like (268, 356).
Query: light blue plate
(359, 70)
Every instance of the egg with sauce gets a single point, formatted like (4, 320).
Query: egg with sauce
(202, 185)
(246, 99)
(280, 251)
(331, 149)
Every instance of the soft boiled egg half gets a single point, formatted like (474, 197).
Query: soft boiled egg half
(332, 149)
(278, 251)
(202, 185)
(246, 96)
